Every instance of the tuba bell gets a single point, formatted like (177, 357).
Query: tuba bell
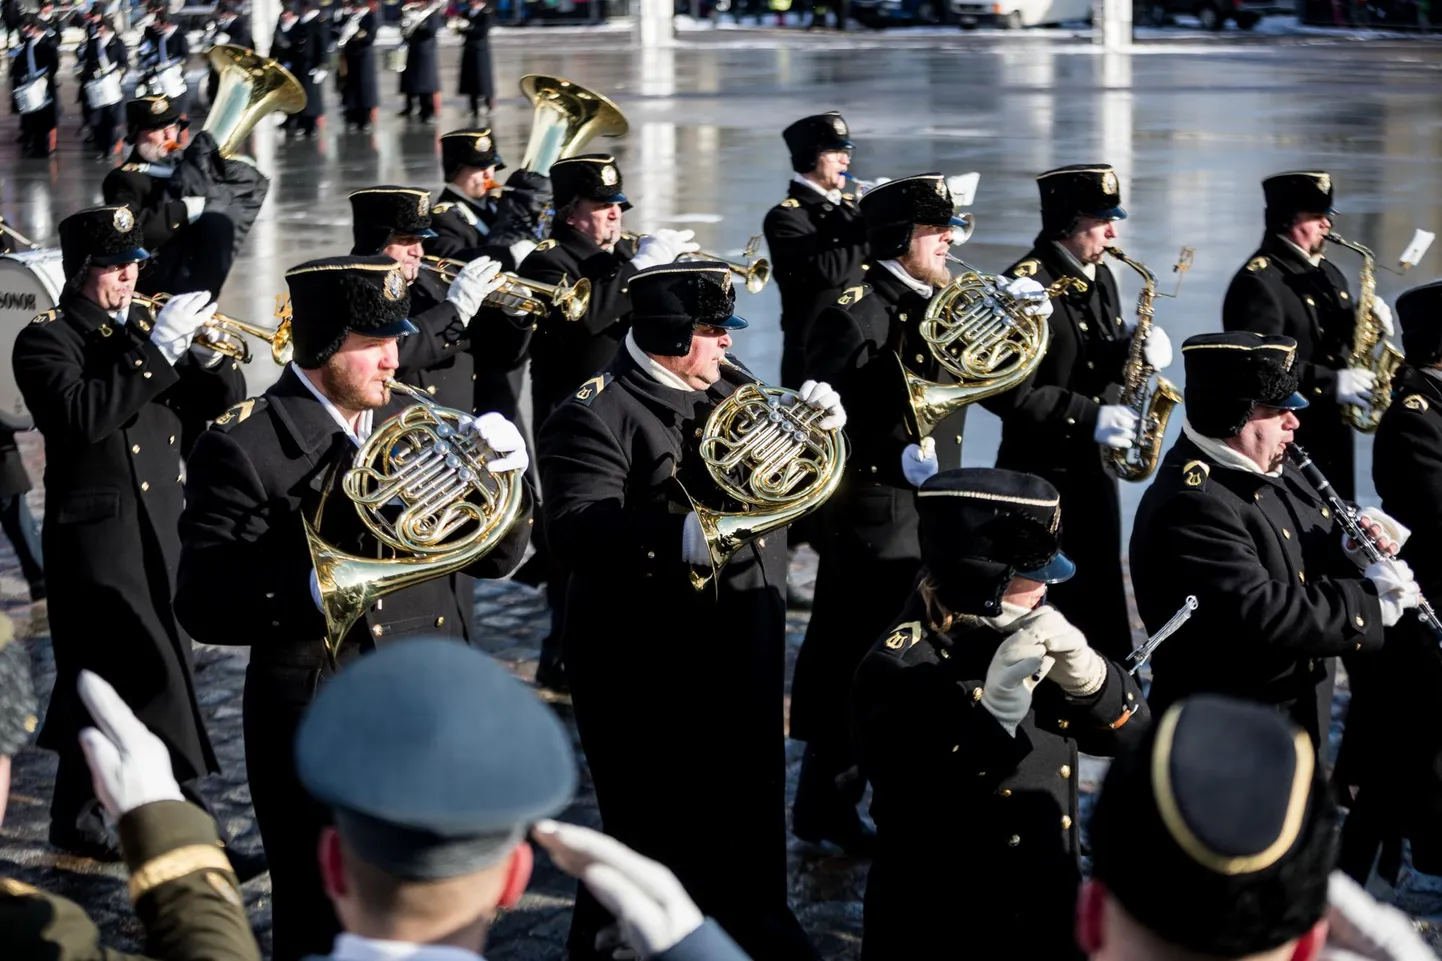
(251, 87)
(453, 510)
(566, 116)
(761, 448)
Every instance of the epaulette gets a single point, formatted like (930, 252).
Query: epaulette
(1257, 263)
(240, 412)
(130, 168)
(1415, 402)
(1026, 268)
(19, 889)
(1195, 473)
(46, 317)
(591, 388)
(789, 202)
(439, 209)
(545, 245)
(853, 294)
(903, 637)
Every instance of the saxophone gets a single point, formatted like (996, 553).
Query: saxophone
(1366, 335)
(1153, 406)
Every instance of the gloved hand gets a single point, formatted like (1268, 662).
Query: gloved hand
(1359, 927)
(1158, 350)
(1079, 670)
(651, 906)
(1354, 386)
(200, 165)
(918, 462)
(1396, 588)
(178, 320)
(477, 279)
(1116, 426)
(1382, 314)
(1017, 667)
(520, 250)
(1031, 295)
(823, 397)
(519, 291)
(1390, 534)
(693, 542)
(319, 74)
(194, 207)
(128, 764)
(503, 437)
(663, 247)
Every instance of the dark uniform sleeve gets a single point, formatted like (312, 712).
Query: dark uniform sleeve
(810, 258)
(159, 219)
(837, 352)
(519, 209)
(1407, 469)
(204, 393)
(609, 276)
(1251, 304)
(454, 237)
(440, 332)
(1106, 722)
(707, 943)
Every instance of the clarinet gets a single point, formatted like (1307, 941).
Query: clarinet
(1347, 516)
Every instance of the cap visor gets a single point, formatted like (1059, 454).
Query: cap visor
(426, 234)
(398, 328)
(958, 222)
(839, 145)
(132, 256)
(1109, 213)
(733, 322)
(1294, 402)
(499, 165)
(1059, 568)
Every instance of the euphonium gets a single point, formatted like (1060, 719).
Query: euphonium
(223, 334)
(514, 293)
(1366, 336)
(982, 337)
(755, 271)
(426, 457)
(1153, 406)
(761, 447)
(251, 86)
(566, 116)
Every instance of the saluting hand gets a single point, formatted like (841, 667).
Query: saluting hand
(128, 764)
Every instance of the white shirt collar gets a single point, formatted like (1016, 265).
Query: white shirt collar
(363, 424)
(834, 196)
(1225, 456)
(895, 267)
(353, 947)
(1314, 259)
(653, 367)
(1088, 270)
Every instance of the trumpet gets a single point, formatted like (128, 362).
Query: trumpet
(755, 271)
(514, 293)
(223, 334)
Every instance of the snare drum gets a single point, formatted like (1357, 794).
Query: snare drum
(104, 90)
(396, 58)
(30, 284)
(33, 96)
(171, 81)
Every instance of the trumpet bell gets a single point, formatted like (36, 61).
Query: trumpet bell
(566, 117)
(251, 87)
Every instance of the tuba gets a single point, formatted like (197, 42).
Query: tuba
(1153, 407)
(983, 338)
(514, 293)
(224, 334)
(1366, 336)
(754, 271)
(565, 117)
(761, 447)
(251, 86)
(426, 457)
(414, 15)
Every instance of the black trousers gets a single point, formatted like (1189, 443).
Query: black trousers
(106, 123)
(24, 535)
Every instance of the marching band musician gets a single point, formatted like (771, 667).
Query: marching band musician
(996, 692)
(478, 75)
(420, 81)
(1229, 520)
(1060, 421)
(100, 54)
(816, 236)
(164, 43)
(1290, 288)
(37, 56)
(114, 390)
(232, 27)
(474, 216)
(360, 95)
(299, 45)
(610, 457)
(87, 20)
(266, 466)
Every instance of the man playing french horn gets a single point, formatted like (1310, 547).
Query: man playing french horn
(268, 468)
(624, 468)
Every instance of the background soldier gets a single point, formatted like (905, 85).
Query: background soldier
(816, 236)
(263, 468)
(114, 389)
(37, 56)
(1289, 288)
(1229, 520)
(232, 26)
(1056, 424)
(299, 45)
(478, 76)
(420, 80)
(475, 216)
(163, 44)
(610, 459)
(360, 94)
(997, 692)
(99, 55)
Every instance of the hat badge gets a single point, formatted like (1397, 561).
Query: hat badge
(838, 125)
(483, 143)
(1109, 182)
(1324, 183)
(939, 186)
(395, 285)
(123, 220)
(423, 204)
(609, 177)
(159, 105)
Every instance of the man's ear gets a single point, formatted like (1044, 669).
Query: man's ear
(332, 864)
(518, 874)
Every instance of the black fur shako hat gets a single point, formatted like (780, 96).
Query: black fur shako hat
(152, 113)
(892, 209)
(378, 212)
(809, 137)
(1419, 315)
(589, 176)
(669, 301)
(1231, 374)
(330, 298)
(100, 236)
(1079, 190)
(1297, 192)
(469, 148)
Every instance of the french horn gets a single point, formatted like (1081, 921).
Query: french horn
(454, 511)
(762, 448)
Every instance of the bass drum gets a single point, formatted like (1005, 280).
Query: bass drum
(30, 284)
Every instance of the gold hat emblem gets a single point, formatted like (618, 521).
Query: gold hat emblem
(483, 143)
(726, 281)
(1324, 183)
(838, 125)
(159, 105)
(940, 186)
(395, 285)
(1109, 182)
(423, 204)
(609, 177)
(124, 221)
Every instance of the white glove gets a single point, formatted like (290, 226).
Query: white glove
(918, 462)
(663, 247)
(1359, 927)
(693, 542)
(1158, 349)
(1017, 667)
(315, 592)
(503, 437)
(319, 74)
(1354, 386)
(1382, 314)
(178, 320)
(1031, 294)
(823, 397)
(1116, 426)
(520, 250)
(477, 279)
(194, 207)
(128, 764)
(651, 906)
(1396, 588)
(1079, 670)
(1392, 530)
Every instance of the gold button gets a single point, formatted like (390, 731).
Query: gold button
(441, 621)
(146, 375)
(134, 448)
(378, 630)
(981, 774)
(1310, 301)
(1063, 724)
(1317, 391)
(180, 477)
(1083, 325)
(976, 693)
(873, 468)
(1066, 822)
(958, 438)
(903, 316)
(1065, 771)
(1286, 533)
(1358, 647)
(1256, 495)
(145, 485)
(699, 432)
(1005, 792)
(955, 748)
(1071, 420)
(1325, 513)
(1358, 621)
(172, 438)
(1013, 841)
(270, 595)
(431, 390)
(1342, 294)
(920, 359)
(1131, 696)
(139, 363)
(473, 377)
(1302, 577)
(651, 555)
(1091, 365)
(760, 542)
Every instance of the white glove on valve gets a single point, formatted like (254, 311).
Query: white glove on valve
(1158, 349)
(1396, 588)
(1030, 293)
(651, 906)
(1354, 386)
(503, 437)
(823, 397)
(919, 463)
(178, 320)
(128, 764)
(1116, 426)
(1017, 667)
(663, 247)
(693, 542)
(194, 207)
(1382, 314)
(1079, 670)
(477, 279)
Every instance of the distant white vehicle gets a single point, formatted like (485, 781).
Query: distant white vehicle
(1015, 14)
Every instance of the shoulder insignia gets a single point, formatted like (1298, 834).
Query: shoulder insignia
(1256, 264)
(904, 637)
(439, 209)
(1415, 402)
(545, 245)
(592, 387)
(18, 889)
(791, 202)
(46, 317)
(238, 413)
(1195, 473)
(852, 295)
(1026, 268)
(131, 168)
